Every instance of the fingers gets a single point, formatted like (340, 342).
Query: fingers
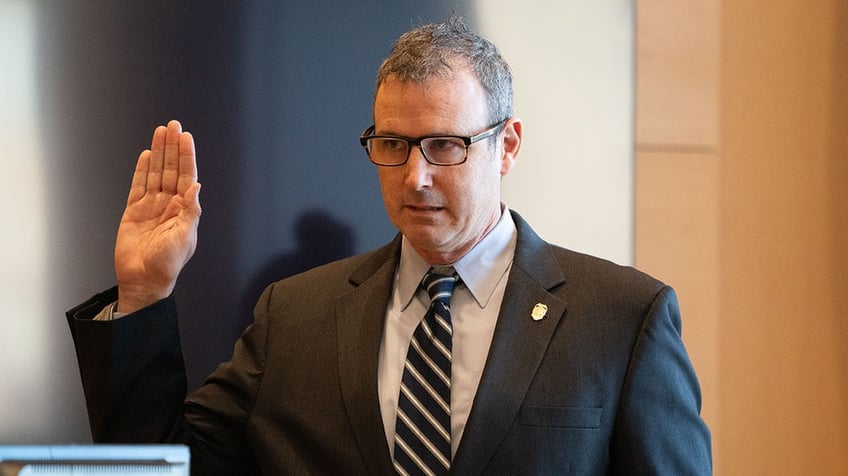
(172, 166)
(171, 157)
(140, 176)
(157, 160)
(187, 163)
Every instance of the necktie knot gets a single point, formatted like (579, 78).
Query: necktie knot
(439, 285)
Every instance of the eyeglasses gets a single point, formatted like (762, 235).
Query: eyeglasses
(390, 150)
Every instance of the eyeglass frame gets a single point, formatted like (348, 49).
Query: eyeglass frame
(367, 134)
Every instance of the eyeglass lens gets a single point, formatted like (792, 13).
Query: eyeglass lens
(439, 150)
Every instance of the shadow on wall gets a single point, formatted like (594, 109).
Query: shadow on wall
(320, 239)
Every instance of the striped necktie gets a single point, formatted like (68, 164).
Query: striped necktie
(422, 431)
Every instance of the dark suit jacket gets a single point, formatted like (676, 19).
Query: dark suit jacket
(601, 385)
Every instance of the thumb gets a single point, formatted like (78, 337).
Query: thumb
(192, 200)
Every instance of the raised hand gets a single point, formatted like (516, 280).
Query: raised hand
(158, 231)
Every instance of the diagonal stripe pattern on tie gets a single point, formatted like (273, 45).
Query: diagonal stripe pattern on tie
(422, 431)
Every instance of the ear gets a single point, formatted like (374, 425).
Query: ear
(512, 144)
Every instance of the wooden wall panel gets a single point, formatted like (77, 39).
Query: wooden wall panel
(784, 396)
(677, 88)
(741, 204)
(676, 173)
(677, 241)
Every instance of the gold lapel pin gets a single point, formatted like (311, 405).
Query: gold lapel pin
(539, 311)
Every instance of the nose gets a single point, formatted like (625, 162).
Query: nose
(418, 171)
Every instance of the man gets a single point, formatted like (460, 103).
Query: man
(555, 362)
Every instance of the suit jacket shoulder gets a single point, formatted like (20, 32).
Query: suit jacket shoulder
(600, 384)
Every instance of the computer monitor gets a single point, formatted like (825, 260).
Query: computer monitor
(61, 460)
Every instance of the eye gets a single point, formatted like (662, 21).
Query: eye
(387, 145)
(443, 144)
(393, 145)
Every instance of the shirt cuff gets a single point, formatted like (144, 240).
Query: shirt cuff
(109, 313)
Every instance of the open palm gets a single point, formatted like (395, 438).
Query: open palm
(158, 231)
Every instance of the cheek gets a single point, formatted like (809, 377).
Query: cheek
(388, 184)
(482, 182)
(469, 194)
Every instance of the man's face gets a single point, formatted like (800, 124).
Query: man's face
(443, 210)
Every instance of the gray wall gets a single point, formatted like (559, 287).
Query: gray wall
(573, 62)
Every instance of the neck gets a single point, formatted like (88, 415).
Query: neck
(446, 257)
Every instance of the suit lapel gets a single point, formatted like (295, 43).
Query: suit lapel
(518, 345)
(359, 320)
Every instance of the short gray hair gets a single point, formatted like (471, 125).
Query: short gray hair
(433, 50)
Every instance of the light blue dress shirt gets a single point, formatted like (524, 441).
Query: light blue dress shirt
(474, 311)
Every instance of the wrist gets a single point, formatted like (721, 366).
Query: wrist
(131, 299)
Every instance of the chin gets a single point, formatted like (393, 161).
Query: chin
(424, 236)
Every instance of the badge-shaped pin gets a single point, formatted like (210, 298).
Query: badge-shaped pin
(539, 311)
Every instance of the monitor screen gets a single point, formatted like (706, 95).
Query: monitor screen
(60, 460)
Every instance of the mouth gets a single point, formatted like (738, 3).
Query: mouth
(424, 213)
(423, 208)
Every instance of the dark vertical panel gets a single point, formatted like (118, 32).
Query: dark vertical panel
(109, 72)
(275, 93)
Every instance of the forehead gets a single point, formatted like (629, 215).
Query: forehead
(438, 105)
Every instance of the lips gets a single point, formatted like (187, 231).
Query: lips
(423, 213)
(423, 202)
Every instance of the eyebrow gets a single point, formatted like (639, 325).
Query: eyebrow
(432, 134)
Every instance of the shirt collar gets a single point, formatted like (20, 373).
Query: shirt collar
(480, 269)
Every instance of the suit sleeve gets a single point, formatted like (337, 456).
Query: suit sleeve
(132, 371)
(134, 381)
(658, 429)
